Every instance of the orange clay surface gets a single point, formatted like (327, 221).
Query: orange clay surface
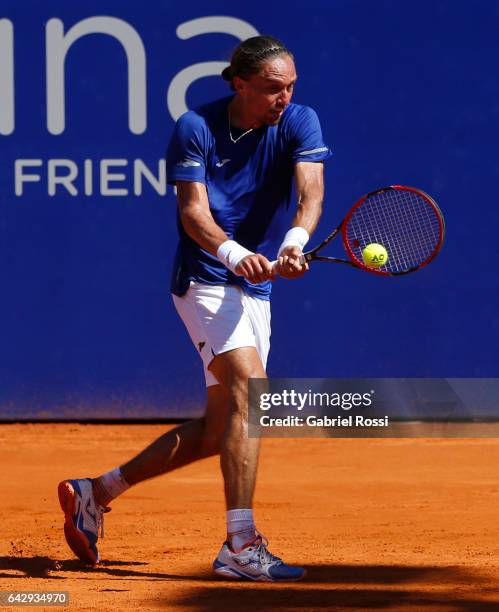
(398, 524)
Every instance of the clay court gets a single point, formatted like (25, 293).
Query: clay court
(398, 524)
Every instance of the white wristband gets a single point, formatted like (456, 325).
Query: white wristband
(296, 236)
(231, 253)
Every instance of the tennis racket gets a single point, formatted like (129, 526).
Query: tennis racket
(405, 221)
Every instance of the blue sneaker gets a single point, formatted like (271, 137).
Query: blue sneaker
(84, 518)
(255, 562)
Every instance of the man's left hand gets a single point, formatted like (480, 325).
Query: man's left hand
(288, 263)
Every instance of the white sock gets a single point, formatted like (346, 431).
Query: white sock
(114, 483)
(240, 527)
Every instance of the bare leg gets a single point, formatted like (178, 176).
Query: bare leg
(223, 429)
(189, 442)
(238, 453)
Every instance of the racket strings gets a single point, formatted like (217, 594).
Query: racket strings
(404, 222)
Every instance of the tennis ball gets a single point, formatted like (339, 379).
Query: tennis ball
(375, 255)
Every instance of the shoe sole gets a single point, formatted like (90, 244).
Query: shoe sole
(227, 572)
(76, 540)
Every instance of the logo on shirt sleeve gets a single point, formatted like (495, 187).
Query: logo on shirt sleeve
(186, 163)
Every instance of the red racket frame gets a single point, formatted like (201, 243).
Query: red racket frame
(358, 262)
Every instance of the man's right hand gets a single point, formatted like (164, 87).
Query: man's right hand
(255, 269)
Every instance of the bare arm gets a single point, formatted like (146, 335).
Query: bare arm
(196, 216)
(309, 178)
(198, 222)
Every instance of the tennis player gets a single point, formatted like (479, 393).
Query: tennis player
(233, 162)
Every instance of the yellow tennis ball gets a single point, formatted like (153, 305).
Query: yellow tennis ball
(375, 255)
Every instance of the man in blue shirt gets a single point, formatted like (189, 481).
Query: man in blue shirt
(233, 162)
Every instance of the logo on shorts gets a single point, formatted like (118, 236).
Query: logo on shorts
(201, 345)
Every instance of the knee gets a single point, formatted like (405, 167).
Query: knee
(239, 391)
(212, 438)
(211, 445)
(241, 397)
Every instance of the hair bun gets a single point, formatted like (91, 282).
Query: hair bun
(227, 73)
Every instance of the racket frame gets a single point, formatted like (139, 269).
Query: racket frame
(312, 255)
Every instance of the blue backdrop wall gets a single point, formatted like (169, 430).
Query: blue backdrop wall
(407, 93)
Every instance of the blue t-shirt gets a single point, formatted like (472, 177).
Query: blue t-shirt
(249, 184)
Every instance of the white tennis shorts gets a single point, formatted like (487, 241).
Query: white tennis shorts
(221, 318)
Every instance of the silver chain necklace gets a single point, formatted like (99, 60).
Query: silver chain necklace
(234, 140)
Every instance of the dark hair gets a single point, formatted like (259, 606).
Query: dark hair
(248, 56)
